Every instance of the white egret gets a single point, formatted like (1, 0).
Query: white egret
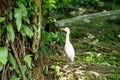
(69, 50)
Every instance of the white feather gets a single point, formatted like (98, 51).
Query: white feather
(69, 50)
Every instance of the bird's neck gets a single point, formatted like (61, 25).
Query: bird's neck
(67, 37)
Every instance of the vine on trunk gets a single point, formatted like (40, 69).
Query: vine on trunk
(17, 28)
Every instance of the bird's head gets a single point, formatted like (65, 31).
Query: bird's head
(66, 29)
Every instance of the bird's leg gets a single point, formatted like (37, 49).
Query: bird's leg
(68, 60)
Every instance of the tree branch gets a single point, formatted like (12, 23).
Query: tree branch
(100, 16)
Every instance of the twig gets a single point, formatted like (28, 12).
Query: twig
(18, 61)
(3, 73)
(7, 67)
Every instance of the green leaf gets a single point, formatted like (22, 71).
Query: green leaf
(1, 32)
(12, 61)
(18, 13)
(45, 69)
(18, 23)
(1, 66)
(11, 15)
(23, 10)
(24, 68)
(24, 2)
(52, 1)
(2, 19)
(10, 32)
(27, 30)
(57, 68)
(3, 55)
(28, 60)
(22, 31)
(18, 17)
(26, 19)
(13, 64)
(15, 78)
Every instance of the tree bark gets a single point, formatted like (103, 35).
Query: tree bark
(37, 27)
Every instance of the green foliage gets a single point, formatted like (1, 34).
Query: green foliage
(50, 38)
(19, 14)
(112, 58)
(101, 59)
(48, 5)
(26, 69)
(45, 69)
(28, 60)
(3, 56)
(16, 21)
(23, 10)
(113, 77)
(1, 31)
(109, 36)
(57, 71)
(18, 17)
(63, 6)
(10, 32)
(13, 63)
(2, 19)
(14, 78)
(10, 15)
(14, 67)
(1, 66)
(90, 2)
(94, 57)
(90, 58)
(26, 31)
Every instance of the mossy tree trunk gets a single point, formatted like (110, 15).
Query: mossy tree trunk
(37, 26)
